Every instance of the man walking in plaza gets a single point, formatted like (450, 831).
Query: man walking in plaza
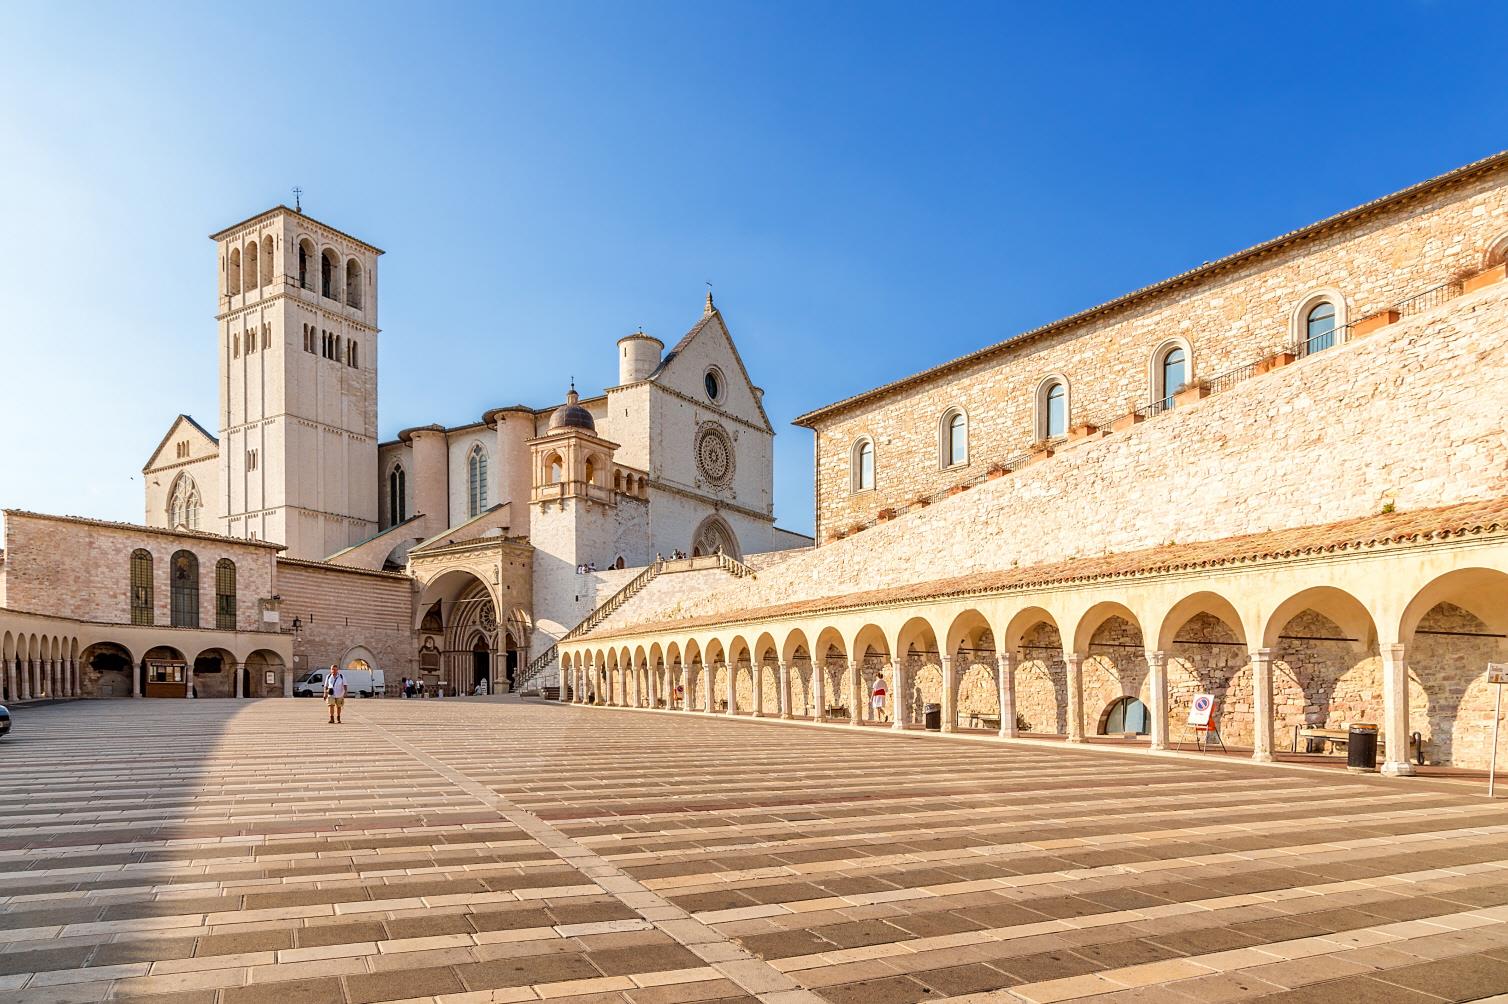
(335, 693)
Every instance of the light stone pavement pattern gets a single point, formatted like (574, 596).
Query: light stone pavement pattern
(219, 852)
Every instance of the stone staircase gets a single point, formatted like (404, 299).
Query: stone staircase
(529, 682)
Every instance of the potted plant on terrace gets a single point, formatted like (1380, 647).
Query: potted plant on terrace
(1194, 390)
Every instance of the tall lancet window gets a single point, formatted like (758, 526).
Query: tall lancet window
(476, 478)
(397, 495)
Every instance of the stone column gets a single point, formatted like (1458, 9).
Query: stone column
(26, 678)
(236, 668)
(898, 702)
(1395, 712)
(732, 690)
(949, 694)
(135, 679)
(858, 694)
(1261, 704)
(783, 688)
(71, 676)
(1157, 673)
(819, 696)
(1074, 670)
(652, 685)
(287, 672)
(1005, 681)
(708, 688)
(562, 677)
(188, 680)
(12, 681)
(756, 677)
(687, 690)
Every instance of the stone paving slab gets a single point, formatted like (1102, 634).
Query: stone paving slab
(219, 852)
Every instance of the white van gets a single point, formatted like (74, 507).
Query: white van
(359, 683)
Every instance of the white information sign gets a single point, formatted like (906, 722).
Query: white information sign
(1202, 710)
(1497, 672)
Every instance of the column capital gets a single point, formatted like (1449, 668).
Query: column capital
(1157, 657)
(1005, 660)
(1392, 651)
(1072, 658)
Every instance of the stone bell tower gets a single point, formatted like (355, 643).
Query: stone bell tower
(297, 325)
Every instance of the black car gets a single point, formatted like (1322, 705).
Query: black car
(4, 719)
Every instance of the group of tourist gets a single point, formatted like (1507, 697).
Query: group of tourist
(416, 688)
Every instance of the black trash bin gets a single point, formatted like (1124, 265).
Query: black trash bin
(1361, 746)
(932, 717)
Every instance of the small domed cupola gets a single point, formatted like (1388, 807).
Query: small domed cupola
(572, 415)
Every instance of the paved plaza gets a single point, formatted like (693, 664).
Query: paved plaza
(218, 852)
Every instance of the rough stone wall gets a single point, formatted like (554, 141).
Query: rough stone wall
(83, 570)
(1450, 700)
(1228, 320)
(341, 610)
(1239, 462)
(1042, 682)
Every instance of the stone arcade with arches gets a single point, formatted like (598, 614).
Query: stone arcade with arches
(1280, 479)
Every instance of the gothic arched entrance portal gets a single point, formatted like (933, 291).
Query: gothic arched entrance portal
(714, 536)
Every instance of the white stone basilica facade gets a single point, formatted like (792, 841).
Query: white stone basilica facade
(560, 502)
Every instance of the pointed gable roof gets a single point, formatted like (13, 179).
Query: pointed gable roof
(712, 318)
(177, 424)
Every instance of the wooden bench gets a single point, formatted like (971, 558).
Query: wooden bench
(1339, 740)
(978, 721)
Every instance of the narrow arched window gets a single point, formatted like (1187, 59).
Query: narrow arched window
(303, 265)
(476, 478)
(397, 495)
(225, 595)
(141, 586)
(555, 470)
(253, 272)
(235, 346)
(353, 283)
(267, 261)
(1319, 327)
(233, 275)
(1172, 374)
(863, 465)
(327, 275)
(1055, 410)
(955, 439)
(184, 570)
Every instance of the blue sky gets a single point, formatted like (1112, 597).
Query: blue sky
(872, 188)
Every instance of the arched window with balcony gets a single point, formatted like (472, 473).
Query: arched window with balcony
(861, 465)
(141, 586)
(184, 572)
(1319, 327)
(1052, 408)
(233, 273)
(1319, 321)
(1170, 371)
(397, 495)
(225, 595)
(476, 481)
(253, 271)
(554, 470)
(953, 438)
(267, 260)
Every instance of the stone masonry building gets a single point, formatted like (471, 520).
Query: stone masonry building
(1279, 480)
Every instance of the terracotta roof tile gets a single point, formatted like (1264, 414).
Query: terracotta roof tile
(1382, 530)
